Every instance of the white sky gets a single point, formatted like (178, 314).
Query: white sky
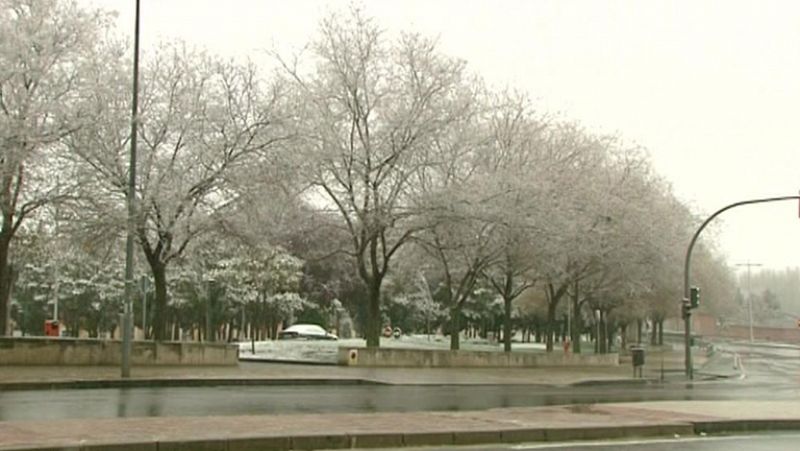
(710, 88)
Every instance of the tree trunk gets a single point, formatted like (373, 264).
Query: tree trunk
(601, 336)
(507, 324)
(160, 305)
(624, 333)
(654, 333)
(373, 329)
(176, 333)
(661, 332)
(6, 280)
(577, 320)
(639, 331)
(455, 328)
(550, 326)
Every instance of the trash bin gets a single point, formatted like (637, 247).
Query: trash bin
(637, 357)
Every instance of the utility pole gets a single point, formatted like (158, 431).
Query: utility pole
(749, 294)
(127, 318)
(210, 311)
(144, 287)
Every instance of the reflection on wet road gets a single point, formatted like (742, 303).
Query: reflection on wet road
(773, 372)
(256, 400)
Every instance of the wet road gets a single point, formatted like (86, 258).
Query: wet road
(766, 363)
(258, 400)
(772, 373)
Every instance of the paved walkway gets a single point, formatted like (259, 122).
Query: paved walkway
(283, 432)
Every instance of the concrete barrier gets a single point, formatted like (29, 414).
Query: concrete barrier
(391, 357)
(87, 351)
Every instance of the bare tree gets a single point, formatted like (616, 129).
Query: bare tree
(202, 120)
(369, 110)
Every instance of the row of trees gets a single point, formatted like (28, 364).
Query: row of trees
(372, 168)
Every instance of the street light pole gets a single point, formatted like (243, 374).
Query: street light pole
(210, 324)
(749, 295)
(127, 320)
(144, 287)
(687, 312)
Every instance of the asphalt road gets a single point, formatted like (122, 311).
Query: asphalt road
(772, 442)
(258, 400)
(766, 363)
(773, 373)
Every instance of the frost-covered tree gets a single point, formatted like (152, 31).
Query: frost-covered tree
(369, 110)
(45, 47)
(514, 158)
(202, 120)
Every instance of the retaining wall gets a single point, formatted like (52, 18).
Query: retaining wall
(80, 351)
(387, 357)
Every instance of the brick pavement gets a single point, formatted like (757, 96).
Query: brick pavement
(306, 431)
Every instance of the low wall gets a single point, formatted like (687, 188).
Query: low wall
(776, 334)
(480, 359)
(739, 331)
(72, 351)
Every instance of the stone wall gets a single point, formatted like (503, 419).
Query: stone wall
(386, 357)
(706, 326)
(776, 334)
(71, 351)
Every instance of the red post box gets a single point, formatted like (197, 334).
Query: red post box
(51, 328)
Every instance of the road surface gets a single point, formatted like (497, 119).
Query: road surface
(772, 373)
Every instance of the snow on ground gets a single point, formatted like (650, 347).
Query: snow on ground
(325, 351)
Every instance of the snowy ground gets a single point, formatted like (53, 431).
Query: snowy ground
(323, 351)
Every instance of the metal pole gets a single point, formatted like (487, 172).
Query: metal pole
(131, 198)
(687, 266)
(144, 307)
(56, 278)
(749, 303)
(749, 295)
(210, 336)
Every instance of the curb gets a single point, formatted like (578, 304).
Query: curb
(601, 382)
(383, 440)
(286, 362)
(440, 438)
(158, 382)
(724, 426)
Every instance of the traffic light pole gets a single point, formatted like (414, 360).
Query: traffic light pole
(685, 306)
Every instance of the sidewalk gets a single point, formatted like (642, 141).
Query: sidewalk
(329, 431)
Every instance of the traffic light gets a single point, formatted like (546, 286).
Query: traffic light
(694, 297)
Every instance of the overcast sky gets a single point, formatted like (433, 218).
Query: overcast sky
(710, 88)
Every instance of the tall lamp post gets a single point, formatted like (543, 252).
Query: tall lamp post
(749, 296)
(210, 310)
(127, 319)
